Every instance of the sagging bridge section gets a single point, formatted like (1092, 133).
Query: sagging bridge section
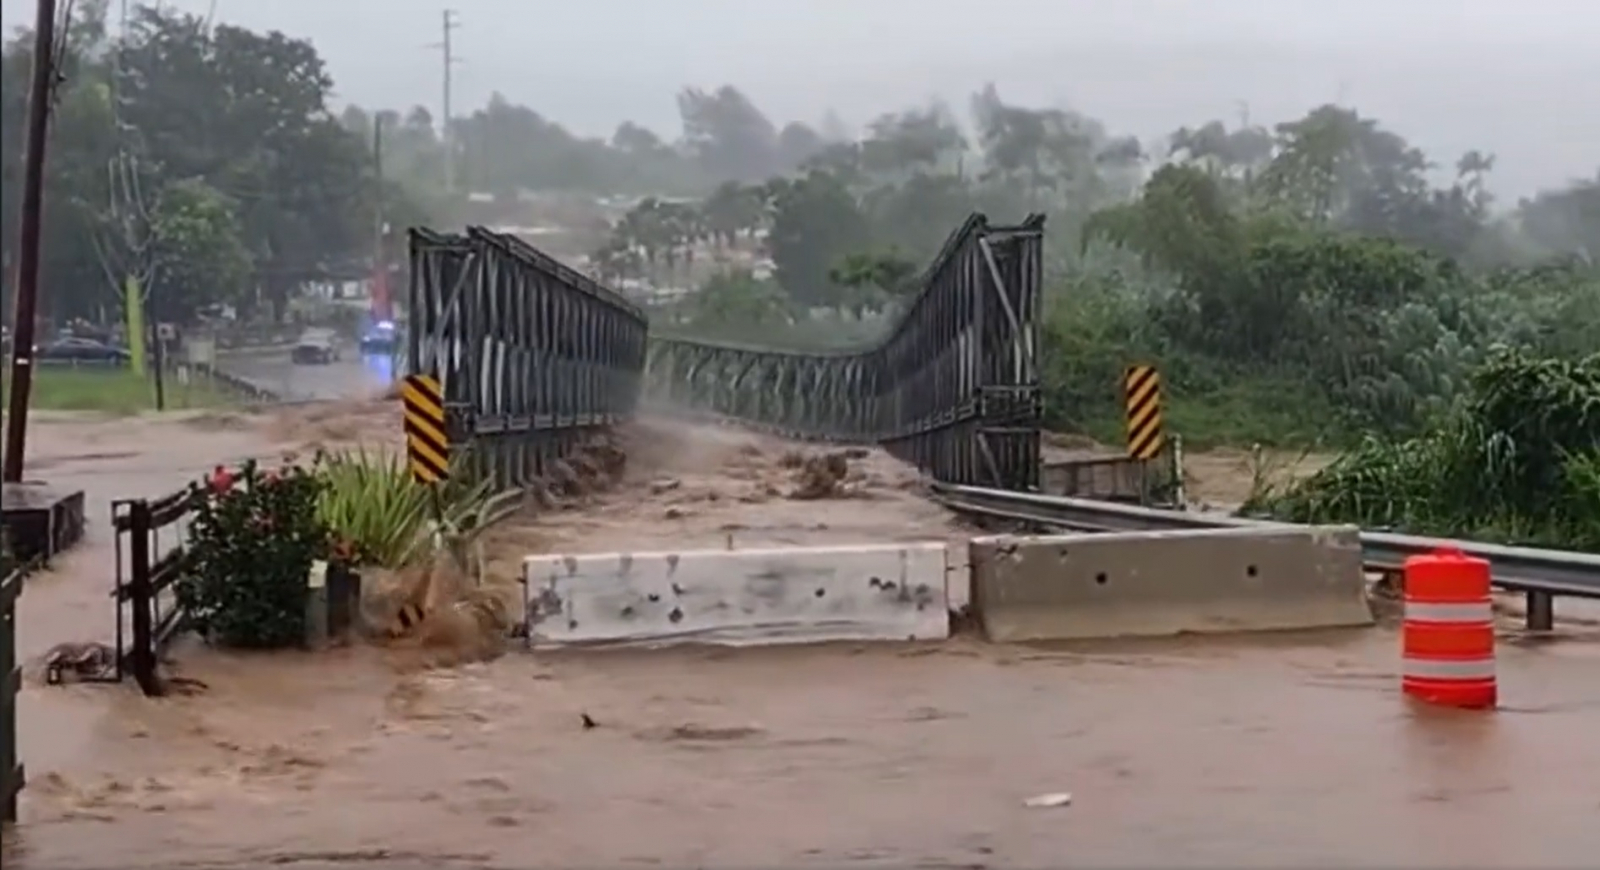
(533, 357)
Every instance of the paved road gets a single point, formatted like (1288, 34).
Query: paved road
(348, 378)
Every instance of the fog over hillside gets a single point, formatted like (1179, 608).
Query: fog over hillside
(1519, 80)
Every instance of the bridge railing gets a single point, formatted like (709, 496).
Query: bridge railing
(954, 388)
(532, 356)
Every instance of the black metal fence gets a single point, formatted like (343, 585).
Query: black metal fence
(954, 388)
(12, 776)
(150, 557)
(532, 355)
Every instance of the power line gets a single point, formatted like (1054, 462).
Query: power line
(129, 212)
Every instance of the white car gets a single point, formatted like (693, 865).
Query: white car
(316, 347)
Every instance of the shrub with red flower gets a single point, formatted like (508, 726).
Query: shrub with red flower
(252, 539)
(220, 481)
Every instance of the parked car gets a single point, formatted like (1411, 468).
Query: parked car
(71, 349)
(316, 347)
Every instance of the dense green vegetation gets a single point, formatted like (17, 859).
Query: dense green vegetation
(1305, 286)
(202, 162)
(1518, 460)
(255, 534)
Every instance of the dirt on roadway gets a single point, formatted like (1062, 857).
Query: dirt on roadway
(1285, 752)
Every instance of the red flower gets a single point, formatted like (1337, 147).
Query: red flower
(221, 480)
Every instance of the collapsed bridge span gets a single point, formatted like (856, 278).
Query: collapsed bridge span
(953, 388)
(532, 355)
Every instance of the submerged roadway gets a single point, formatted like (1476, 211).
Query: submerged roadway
(1295, 751)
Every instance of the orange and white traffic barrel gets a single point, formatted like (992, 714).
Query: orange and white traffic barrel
(1447, 639)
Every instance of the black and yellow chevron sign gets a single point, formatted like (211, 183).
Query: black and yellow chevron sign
(1141, 385)
(427, 446)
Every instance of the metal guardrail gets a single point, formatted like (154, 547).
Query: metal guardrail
(1156, 482)
(1542, 574)
(245, 389)
(261, 336)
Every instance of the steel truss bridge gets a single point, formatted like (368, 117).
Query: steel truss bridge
(534, 357)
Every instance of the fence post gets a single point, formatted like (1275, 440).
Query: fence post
(12, 777)
(141, 597)
(1180, 490)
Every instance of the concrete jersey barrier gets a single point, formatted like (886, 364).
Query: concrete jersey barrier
(740, 597)
(1064, 587)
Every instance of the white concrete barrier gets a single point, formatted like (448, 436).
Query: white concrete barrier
(740, 597)
(1063, 587)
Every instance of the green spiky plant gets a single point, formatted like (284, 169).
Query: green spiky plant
(380, 516)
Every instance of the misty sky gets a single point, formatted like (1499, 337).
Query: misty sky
(1520, 78)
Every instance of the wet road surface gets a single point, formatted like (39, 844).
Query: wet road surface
(354, 375)
(1282, 754)
(1288, 752)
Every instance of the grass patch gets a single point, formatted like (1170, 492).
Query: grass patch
(1251, 412)
(1260, 411)
(117, 391)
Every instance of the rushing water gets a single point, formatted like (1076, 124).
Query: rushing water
(1289, 752)
(1201, 754)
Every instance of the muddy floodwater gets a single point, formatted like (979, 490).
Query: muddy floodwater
(1293, 751)
(1210, 754)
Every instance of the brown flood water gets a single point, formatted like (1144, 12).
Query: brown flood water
(1286, 752)
(1279, 754)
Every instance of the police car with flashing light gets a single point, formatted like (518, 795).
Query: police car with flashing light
(382, 338)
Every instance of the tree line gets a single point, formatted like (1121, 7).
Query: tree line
(1235, 244)
(1299, 283)
(201, 161)
(208, 162)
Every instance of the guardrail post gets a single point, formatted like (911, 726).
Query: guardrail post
(1541, 610)
(1180, 490)
(141, 597)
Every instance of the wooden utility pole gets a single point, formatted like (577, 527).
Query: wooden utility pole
(382, 308)
(27, 291)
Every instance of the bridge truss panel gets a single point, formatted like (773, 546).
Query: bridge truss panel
(532, 356)
(954, 388)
